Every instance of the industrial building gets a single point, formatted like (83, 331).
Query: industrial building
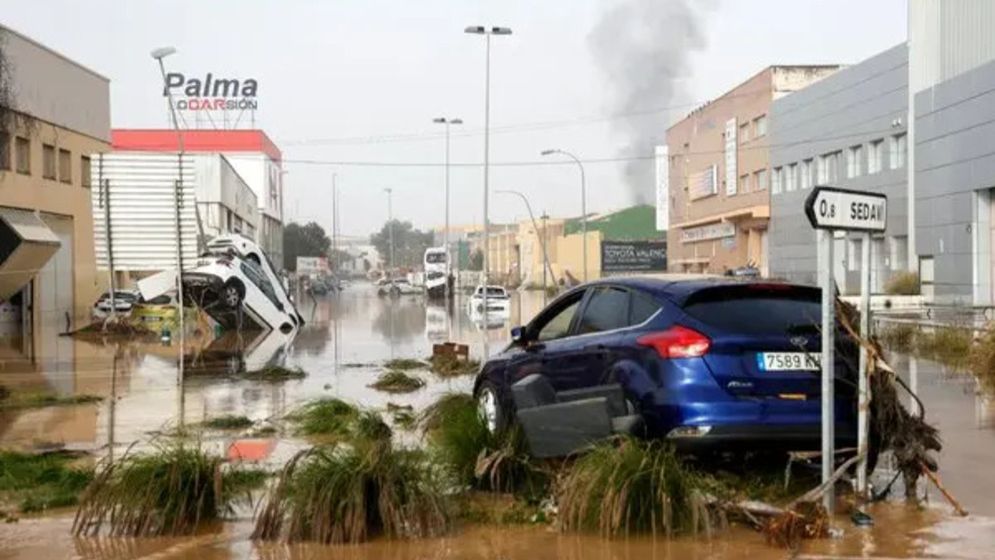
(145, 196)
(250, 153)
(847, 130)
(57, 120)
(718, 172)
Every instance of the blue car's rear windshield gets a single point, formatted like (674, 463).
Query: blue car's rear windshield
(753, 309)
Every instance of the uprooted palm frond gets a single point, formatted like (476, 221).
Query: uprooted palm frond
(169, 491)
(351, 493)
(404, 364)
(472, 456)
(907, 435)
(628, 485)
(808, 520)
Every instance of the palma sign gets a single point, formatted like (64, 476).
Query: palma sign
(211, 93)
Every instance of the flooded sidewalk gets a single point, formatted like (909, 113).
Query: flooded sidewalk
(343, 349)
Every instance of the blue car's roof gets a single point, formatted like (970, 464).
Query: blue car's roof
(679, 287)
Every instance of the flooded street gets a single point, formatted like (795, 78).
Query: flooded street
(342, 348)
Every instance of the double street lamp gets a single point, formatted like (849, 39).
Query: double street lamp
(583, 201)
(447, 121)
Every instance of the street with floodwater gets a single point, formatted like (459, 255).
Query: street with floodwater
(342, 348)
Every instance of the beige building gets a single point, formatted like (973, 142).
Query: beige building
(719, 174)
(57, 117)
(516, 254)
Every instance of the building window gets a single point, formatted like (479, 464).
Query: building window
(874, 155)
(4, 151)
(47, 161)
(790, 182)
(760, 126)
(744, 183)
(898, 151)
(805, 181)
(760, 180)
(853, 163)
(744, 133)
(65, 166)
(829, 168)
(775, 180)
(84, 171)
(22, 155)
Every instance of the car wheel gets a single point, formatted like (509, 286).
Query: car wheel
(231, 295)
(490, 409)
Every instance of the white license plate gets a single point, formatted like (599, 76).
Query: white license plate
(788, 361)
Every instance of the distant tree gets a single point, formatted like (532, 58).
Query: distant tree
(409, 243)
(304, 241)
(476, 261)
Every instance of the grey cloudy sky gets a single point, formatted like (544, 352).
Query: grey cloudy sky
(361, 80)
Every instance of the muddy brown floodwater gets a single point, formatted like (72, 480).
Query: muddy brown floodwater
(342, 347)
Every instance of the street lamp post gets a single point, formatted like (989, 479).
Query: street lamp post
(390, 230)
(445, 235)
(583, 201)
(487, 32)
(158, 55)
(545, 239)
(542, 240)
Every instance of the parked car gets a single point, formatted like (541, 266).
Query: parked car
(230, 289)
(709, 364)
(397, 287)
(124, 300)
(155, 313)
(498, 300)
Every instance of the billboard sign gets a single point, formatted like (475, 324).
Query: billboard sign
(633, 256)
(211, 93)
(703, 183)
(312, 265)
(731, 169)
(662, 188)
(709, 232)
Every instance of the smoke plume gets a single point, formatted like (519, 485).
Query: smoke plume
(643, 47)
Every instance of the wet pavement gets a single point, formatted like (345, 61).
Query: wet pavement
(342, 347)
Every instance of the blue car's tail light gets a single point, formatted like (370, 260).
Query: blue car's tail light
(677, 342)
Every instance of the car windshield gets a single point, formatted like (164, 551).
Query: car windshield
(435, 258)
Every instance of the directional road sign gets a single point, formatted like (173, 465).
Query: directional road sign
(847, 210)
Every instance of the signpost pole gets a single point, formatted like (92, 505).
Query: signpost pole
(831, 209)
(828, 369)
(863, 395)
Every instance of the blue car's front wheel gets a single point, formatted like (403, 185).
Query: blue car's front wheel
(490, 408)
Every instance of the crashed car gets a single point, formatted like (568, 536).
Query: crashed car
(235, 280)
(712, 365)
(124, 300)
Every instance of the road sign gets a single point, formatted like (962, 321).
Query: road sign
(846, 210)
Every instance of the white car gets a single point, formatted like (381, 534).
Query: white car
(498, 300)
(397, 287)
(124, 300)
(235, 281)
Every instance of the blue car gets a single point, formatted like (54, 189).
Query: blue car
(712, 364)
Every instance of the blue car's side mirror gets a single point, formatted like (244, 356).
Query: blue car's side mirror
(517, 334)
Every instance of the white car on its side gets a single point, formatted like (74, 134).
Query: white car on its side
(236, 280)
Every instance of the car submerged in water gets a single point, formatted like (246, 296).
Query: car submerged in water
(235, 281)
(710, 364)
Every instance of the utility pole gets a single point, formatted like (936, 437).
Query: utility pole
(335, 224)
(445, 236)
(545, 239)
(390, 229)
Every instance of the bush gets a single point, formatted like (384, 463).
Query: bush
(170, 491)
(947, 345)
(325, 417)
(473, 457)
(900, 337)
(39, 482)
(227, 422)
(982, 359)
(349, 494)
(396, 381)
(631, 485)
(903, 284)
(404, 364)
